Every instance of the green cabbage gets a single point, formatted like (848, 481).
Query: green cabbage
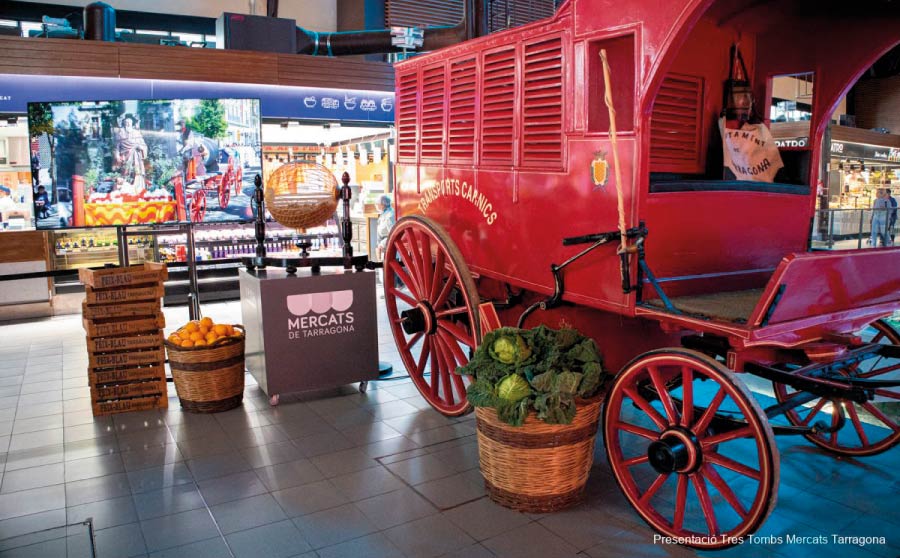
(513, 388)
(510, 349)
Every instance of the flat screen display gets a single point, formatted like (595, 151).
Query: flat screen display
(142, 162)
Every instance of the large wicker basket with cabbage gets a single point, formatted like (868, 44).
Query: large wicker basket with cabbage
(537, 396)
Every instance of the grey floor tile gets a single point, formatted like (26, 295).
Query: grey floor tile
(461, 458)
(144, 439)
(452, 491)
(91, 448)
(473, 551)
(276, 540)
(86, 431)
(210, 548)
(179, 529)
(395, 508)
(370, 546)
(260, 436)
(151, 457)
(27, 502)
(532, 540)
(206, 446)
(309, 498)
(391, 446)
(330, 527)
(218, 465)
(46, 549)
(320, 444)
(90, 467)
(39, 410)
(31, 440)
(168, 501)
(442, 434)
(421, 469)
(367, 483)
(123, 540)
(483, 519)
(34, 477)
(430, 536)
(154, 478)
(231, 487)
(343, 462)
(271, 454)
(22, 525)
(96, 489)
(37, 424)
(584, 527)
(106, 513)
(247, 513)
(286, 475)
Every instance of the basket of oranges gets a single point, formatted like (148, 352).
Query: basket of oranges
(207, 362)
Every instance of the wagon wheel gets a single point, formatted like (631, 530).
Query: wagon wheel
(239, 180)
(198, 206)
(431, 302)
(690, 448)
(851, 428)
(225, 190)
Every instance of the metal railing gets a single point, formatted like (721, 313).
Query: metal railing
(847, 229)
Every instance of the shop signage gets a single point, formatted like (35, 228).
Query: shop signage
(851, 150)
(461, 189)
(318, 314)
(792, 143)
(276, 101)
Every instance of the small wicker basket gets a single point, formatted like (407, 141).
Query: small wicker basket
(537, 467)
(301, 194)
(209, 379)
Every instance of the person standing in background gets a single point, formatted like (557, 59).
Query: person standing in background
(385, 224)
(892, 215)
(879, 220)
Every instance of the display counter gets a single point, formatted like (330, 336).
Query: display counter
(309, 331)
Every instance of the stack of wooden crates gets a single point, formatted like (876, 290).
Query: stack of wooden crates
(123, 320)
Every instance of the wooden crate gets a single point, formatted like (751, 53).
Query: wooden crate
(118, 295)
(114, 406)
(123, 326)
(126, 391)
(129, 343)
(129, 359)
(148, 272)
(130, 310)
(124, 375)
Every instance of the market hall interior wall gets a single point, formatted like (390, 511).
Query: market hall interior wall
(318, 15)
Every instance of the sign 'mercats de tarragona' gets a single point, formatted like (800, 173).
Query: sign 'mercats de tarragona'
(317, 314)
(461, 189)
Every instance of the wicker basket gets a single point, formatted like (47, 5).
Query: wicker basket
(537, 467)
(209, 379)
(301, 195)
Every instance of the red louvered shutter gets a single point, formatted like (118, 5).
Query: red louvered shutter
(542, 93)
(431, 125)
(676, 126)
(498, 106)
(407, 85)
(461, 118)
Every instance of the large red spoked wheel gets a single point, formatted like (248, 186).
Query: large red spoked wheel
(851, 428)
(225, 189)
(691, 448)
(198, 206)
(431, 302)
(239, 180)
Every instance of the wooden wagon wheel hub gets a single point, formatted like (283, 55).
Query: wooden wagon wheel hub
(676, 451)
(419, 319)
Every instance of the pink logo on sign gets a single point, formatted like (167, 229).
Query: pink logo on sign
(300, 305)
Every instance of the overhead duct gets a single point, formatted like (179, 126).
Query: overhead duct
(397, 39)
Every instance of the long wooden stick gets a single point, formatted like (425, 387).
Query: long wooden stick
(612, 140)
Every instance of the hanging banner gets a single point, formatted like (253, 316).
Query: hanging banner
(750, 153)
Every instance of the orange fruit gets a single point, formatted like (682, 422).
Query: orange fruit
(204, 330)
(211, 336)
(174, 338)
(220, 329)
(230, 329)
(196, 336)
(191, 327)
(206, 322)
(187, 343)
(200, 343)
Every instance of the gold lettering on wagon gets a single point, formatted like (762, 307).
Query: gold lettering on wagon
(461, 189)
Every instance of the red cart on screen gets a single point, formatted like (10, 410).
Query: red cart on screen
(222, 184)
(508, 182)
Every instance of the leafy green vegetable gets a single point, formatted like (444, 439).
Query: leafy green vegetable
(541, 370)
(513, 388)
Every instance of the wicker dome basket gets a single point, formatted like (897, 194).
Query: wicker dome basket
(301, 195)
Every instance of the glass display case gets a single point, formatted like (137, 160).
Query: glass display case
(77, 248)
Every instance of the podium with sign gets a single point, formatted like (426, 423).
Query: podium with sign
(309, 331)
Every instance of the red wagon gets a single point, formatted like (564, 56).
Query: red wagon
(507, 183)
(221, 184)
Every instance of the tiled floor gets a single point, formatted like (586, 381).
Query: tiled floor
(341, 474)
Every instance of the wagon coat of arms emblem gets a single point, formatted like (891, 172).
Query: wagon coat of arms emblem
(600, 169)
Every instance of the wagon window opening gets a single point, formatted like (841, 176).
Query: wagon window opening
(790, 113)
(620, 53)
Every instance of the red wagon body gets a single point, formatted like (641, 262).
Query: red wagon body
(504, 150)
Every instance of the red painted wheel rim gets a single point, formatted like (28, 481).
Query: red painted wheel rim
(225, 190)
(728, 485)
(867, 429)
(421, 256)
(198, 206)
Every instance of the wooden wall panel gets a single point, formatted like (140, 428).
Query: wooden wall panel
(96, 59)
(23, 246)
(876, 103)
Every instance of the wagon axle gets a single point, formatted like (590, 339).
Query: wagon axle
(676, 451)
